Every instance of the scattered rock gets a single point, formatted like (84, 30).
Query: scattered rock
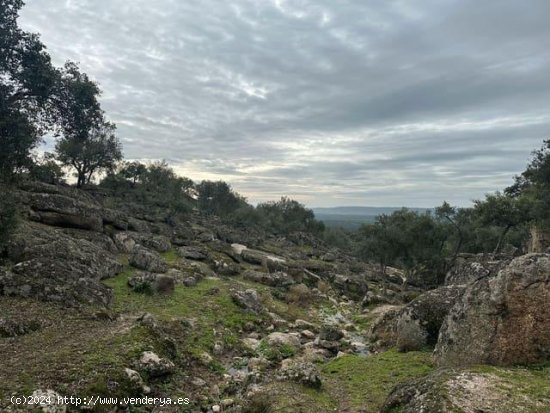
(276, 279)
(137, 381)
(301, 372)
(147, 260)
(248, 299)
(198, 253)
(48, 401)
(152, 283)
(154, 365)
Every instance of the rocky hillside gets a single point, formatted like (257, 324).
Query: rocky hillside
(103, 297)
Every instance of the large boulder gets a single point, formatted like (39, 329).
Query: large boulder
(197, 252)
(419, 322)
(471, 267)
(63, 211)
(51, 265)
(450, 391)
(147, 260)
(352, 285)
(501, 320)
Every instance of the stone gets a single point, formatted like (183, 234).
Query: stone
(248, 299)
(276, 279)
(198, 253)
(278, 339)
(153, 283)
(330, 333)
(147, 260)
(305, 373)
(154, 365)
(136, 379)
(469, 268)
(48, 401)
(501, 320)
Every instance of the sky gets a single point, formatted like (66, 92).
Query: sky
(348, 102)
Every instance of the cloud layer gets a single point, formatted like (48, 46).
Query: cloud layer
(403, 102)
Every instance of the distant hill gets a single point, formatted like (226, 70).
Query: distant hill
(352, 217)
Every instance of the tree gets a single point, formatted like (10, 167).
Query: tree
(28, 84)
(88, 142)
(99, 151)
(287, 215)
(449, 213)
(134, 171)
(218, 198)
(502, 211)
(405, 238)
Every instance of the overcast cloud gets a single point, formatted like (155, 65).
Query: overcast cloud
(349, 102)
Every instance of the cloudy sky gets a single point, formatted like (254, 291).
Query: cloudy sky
(348, 102)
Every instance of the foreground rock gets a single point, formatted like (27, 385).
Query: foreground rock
(419, 322)
(503, 320)
(155, 366)
(248, 299)
(471, 267)
(450, 391)
(53, 266)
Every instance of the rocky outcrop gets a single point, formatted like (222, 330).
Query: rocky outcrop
(198, 253)
(305, 373)
(502, 320)
(352, 285)
(471, 267)
(450, 391)
(63, 211)
(53, 266)
(276, 279)
(145, 259)
(419, 322)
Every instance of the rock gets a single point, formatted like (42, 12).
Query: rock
(261, 258)
(216, 408)
(250, 343)
(147, 260)
(137, 381)
(503, 320)
(193, 253)
(153, 283)
(353, 285)
(53, 266)
(158, 243)
(382, 333)
(419, 322)
(13, 328)
(276, 279)
(310, 335)
(114, 218)
(99, 239)
(301, 372)
(278, 339)
(330, 333)
(206, 358)
(303, 324)
(248, 299)
(48, 401)
(154, 365)
(138, 225)
(469, 268)
(198, 382)
(63, 211)
(124, 242)
(450, 391)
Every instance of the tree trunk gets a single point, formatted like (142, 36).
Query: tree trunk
(497, 248)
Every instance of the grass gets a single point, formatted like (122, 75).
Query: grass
(352, 383)
(208, 305)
